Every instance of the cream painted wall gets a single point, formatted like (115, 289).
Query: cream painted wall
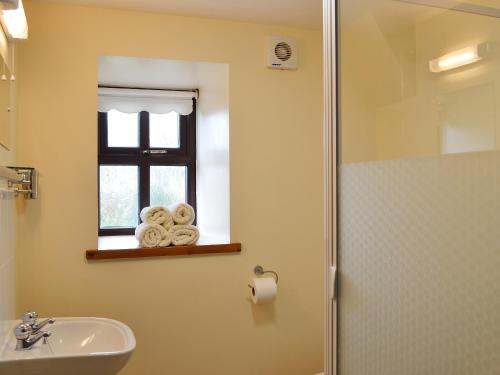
(191, 315)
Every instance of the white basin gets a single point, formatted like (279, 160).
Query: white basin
(77, 346)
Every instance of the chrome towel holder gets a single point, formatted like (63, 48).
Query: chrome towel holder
(22, 180)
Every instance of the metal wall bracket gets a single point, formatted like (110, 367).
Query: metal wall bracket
(28, 186)
(259, 271)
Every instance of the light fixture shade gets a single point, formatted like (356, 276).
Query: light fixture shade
(14, 22)
(461, 57)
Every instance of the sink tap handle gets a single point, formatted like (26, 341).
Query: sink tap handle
(22, 331)
(30, 317)
(38, 326)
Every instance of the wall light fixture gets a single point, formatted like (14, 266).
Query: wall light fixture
(461, 57)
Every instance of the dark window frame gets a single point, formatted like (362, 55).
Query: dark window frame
(185, 155)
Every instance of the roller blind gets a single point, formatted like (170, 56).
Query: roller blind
(153, 101)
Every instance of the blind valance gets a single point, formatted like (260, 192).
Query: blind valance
(153, 101)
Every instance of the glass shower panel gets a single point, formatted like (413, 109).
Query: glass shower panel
(419, 187)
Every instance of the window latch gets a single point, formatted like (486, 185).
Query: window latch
(154, 152)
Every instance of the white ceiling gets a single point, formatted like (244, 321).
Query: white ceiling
(304, 13)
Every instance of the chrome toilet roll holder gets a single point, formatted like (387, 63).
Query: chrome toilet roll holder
(259, 271)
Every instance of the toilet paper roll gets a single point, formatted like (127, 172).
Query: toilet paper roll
(263, 289)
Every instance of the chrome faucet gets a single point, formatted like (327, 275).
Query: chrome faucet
(31, 318)
(25, 340)
(29, 332)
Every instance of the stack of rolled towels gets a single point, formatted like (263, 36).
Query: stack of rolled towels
(164, 226)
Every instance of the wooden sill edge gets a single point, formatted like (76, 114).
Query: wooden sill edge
(94, 254)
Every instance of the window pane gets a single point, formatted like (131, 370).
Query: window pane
(164, 130)
(119, 199)
(168, 185)
(123, 129)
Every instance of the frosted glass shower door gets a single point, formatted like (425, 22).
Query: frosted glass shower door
(419, 188)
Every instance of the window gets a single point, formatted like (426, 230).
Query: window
(144, 159)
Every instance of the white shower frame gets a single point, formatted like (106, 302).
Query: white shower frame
(330, 168)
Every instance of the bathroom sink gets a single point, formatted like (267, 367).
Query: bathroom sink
(77, 346)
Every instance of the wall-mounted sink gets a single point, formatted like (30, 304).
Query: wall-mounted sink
(77, 346)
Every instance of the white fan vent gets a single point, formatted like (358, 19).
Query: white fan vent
(282, 53)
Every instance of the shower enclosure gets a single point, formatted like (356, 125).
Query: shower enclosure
(416, 123)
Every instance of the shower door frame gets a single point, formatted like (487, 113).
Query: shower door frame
(330, 182)
(332, 149)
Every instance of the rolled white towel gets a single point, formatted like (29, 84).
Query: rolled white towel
(182, 213)
(157, 215)
(153, 235)
(184, 235)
